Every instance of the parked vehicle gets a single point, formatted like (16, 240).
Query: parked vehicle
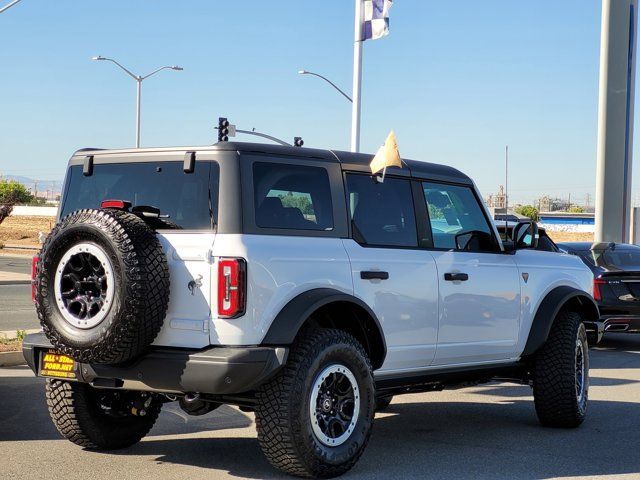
(292, 283)
(616, 284)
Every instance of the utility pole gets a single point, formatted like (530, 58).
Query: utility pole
(506, 182)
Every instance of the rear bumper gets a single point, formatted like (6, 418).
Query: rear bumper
(615, 322)
(213, 370)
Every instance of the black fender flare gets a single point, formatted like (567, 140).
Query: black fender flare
(289, 321)
(548, 310)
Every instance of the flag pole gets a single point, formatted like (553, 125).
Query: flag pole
(357, 78)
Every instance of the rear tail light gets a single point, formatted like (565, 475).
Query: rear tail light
(34, 273)
(116, 204)
(597, 294)
(232, 286)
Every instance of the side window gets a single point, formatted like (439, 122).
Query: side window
(457, 220)
(292, 196)
(382, 214)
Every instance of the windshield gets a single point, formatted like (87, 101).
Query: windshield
(183, 197)
(625, 259)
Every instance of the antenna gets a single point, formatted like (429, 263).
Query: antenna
(506, 190)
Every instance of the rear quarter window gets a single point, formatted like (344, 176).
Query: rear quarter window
(189, 200)
(293, 197)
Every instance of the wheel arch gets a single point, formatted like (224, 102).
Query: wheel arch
(326, 307)
(558, 299)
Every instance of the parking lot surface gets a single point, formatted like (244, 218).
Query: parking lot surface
(16, 308)
(486, 432)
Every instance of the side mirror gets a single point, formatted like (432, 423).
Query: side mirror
(525, 235)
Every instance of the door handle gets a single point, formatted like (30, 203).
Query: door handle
(374, 275)
(456, 277)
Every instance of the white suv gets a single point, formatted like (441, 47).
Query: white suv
(293, 283)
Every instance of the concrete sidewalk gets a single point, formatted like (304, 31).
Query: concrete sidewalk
(14, 278)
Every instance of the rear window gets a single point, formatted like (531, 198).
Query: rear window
(621, 258)
(292, 197)
(185, 198)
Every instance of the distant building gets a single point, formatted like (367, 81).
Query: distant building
(549, 204)
(497, 200)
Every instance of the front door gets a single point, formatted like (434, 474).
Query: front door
(479, 285)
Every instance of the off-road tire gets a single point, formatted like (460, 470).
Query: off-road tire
(382, 403)
(141, 286)
(555, 393)
(78, 417)
(282, 413)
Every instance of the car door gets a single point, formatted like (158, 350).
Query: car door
(479, 285)
(390, 273)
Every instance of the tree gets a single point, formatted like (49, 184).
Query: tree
(12, 192)
(529, 211)
(576, 209)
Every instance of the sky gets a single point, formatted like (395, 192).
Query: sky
(456, 81)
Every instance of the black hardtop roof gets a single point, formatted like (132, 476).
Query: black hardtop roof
(349, 160)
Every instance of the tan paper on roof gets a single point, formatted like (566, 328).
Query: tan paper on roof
(387, 156)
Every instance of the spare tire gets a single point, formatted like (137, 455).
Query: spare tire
(102, 286)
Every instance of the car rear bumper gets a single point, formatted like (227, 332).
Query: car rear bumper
(213, 370)
(621, 323)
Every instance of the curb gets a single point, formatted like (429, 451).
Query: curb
(15, 282)
(11, 334)
(27, 248)
(12, 359)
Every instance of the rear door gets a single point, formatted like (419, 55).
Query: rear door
(188, 205)
(479, 286)
(396, 278)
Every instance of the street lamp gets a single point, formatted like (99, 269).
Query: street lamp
(305, 72)
(138, 80)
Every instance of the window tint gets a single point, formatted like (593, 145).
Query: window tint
(183, 197)
(624, 258)
(454, 212)
(292, 196)
(382, 214)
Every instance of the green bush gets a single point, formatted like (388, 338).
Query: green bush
(12, 192)
(529, 211)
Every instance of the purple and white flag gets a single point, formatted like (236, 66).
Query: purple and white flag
(376, 19)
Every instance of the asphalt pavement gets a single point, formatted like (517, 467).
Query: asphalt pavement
(485, 432)
(16, 308)
(15, 264)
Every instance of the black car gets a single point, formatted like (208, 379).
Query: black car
(616, 284)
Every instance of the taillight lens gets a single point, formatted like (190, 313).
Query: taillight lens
(232, 286)
(34, 272)
(597, 294)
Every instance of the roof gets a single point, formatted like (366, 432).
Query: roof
(348, 160)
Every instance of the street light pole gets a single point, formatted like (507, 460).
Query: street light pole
(139, 79)
(8, 6)
(138, 98)
(305, 72)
